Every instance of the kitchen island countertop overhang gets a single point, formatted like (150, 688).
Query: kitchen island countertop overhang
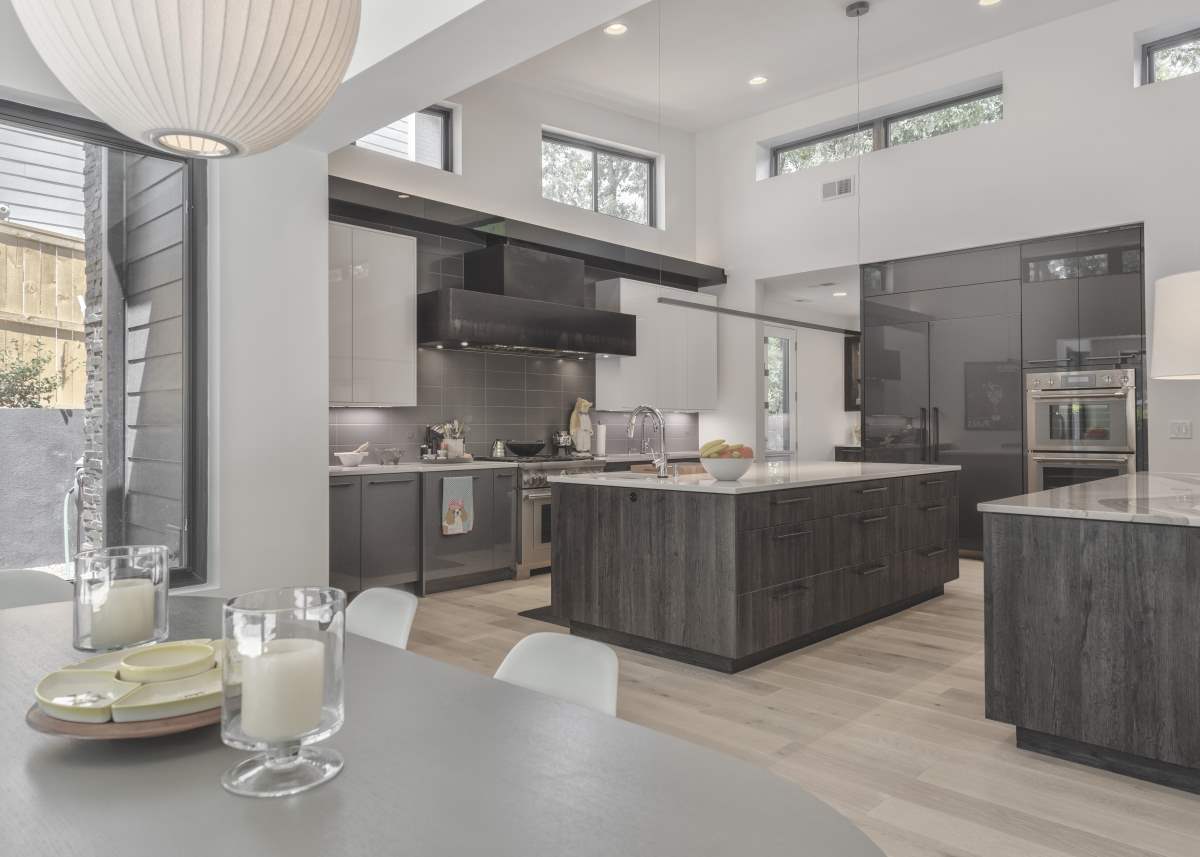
(763, 477)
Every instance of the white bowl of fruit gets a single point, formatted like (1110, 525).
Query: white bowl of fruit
(726, 462)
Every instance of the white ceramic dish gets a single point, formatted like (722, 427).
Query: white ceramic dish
(167, 662)
(170, 698)
(726, 469)
(350, 459)
(81, 696)
(111, 661)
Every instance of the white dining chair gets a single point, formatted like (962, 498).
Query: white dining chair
(382, 614)
(24, 587)
(571, 668)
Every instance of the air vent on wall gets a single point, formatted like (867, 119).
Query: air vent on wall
(837, 189)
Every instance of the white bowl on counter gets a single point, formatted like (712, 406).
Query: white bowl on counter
(726, 469)
(350, 459)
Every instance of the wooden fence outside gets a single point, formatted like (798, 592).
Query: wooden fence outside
(42, 287)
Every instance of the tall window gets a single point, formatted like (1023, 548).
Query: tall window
(100, 361)
(423, 138)
(895, 130)
(1170, 58)
(608, 181)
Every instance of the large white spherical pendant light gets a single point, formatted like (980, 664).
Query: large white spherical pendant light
(203, 78)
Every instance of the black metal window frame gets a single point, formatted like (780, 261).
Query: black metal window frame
(446, 114)
(1151, 48)
(598, 148)
(878, 127)
(195, 326)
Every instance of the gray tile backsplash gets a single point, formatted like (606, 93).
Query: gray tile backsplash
(512, 397)
(683, 432)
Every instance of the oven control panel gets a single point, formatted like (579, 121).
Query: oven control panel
(1096, 380)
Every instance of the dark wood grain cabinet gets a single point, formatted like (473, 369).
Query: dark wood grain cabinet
(727, 581)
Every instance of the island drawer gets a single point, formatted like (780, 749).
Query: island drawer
(781, 613)
(930, 488)
(931, 567)
(861, 496)
(873, 585)
(864, 536)
(773, 508)
(776, 555)
(929, 524)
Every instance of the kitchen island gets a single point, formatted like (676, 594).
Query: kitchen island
(1092, 643)
(729, 574)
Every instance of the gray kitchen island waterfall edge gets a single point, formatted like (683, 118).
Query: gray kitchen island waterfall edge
(1092, 648)
(728, 575)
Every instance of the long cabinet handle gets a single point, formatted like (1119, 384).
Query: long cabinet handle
(934, 509)
(341, 485)
(867, 572)
(874, 520)
(791, 593)
(931, 482)
(391, 481)
(782, 536)
(935, 553)
(878, 490)
(775, 502)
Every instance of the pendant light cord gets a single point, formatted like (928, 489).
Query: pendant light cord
(858, 127)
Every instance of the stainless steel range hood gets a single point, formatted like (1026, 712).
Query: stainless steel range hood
(520, 300)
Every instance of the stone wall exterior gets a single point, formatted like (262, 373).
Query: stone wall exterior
(92, 499)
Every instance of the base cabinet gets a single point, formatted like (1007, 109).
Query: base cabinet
(345, 533)
(488, 550)
(391, 529)
(729, 581)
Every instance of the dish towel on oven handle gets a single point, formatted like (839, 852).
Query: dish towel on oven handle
(458, 505)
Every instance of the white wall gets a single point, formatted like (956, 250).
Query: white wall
(1079, 148)
(500, 165)
(268, 371)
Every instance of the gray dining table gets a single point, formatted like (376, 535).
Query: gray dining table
(439, 761)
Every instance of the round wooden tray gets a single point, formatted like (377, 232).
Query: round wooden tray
(43, 722)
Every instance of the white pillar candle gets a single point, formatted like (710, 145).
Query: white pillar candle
(122, 613)
(282, 689)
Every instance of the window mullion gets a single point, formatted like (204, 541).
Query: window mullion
(595, 181)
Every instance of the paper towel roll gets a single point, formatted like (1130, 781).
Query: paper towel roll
(599, 442)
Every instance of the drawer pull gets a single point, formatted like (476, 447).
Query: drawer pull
(867, 572)
(777, 502)
(342, 485)
(391, 481)
(934, 509)
(878, 490)
(935, 553)
(874, 520)
(791, 593)
(931, 482)
(784, 536)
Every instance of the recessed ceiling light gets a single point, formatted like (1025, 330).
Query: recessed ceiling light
(989, 2)
(757, 80)
(615, 29)
(402, 195)
(464, 344)
(439, 346)
(839, 294)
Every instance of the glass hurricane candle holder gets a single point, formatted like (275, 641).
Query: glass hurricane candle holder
(282, 682)
(121, 597)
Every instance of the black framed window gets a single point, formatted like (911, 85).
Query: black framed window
(1167, 59)
(608, 181)
(108, 237)
(424, 137)
(931, 120)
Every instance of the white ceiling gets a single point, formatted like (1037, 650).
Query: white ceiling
(710, 48)
(817, 290)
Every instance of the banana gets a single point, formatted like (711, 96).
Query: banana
(711, 445)
(714, 451)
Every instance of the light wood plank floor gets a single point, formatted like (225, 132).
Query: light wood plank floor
(885, 723)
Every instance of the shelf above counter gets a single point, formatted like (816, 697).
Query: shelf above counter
(762, 477)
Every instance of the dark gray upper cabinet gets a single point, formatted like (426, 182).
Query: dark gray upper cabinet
(1050, 323)
(1110, 317)
(896, 392)
(445, 557)
(1000, 298)
(989, 265)
(391, 529)
(504, 517)
(345, 522)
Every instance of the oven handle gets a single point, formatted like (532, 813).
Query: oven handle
(1082, 394)
(534, 496)
(1082, 459)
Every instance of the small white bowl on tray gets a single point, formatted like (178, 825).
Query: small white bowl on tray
(81, 696)
(166, 662)
(169, 698)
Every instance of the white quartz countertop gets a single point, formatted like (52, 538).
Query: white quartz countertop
(416, 467)
(1138, 498)
(625, 457)
(761, 477)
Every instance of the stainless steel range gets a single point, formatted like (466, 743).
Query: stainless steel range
(535, 517)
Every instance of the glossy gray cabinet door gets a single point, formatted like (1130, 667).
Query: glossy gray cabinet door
(504, 518)
(391, 529)
(896, 392)
(989, 265)
(446, 557)
(1110, 317)
(345, 524)
(1050, 323)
